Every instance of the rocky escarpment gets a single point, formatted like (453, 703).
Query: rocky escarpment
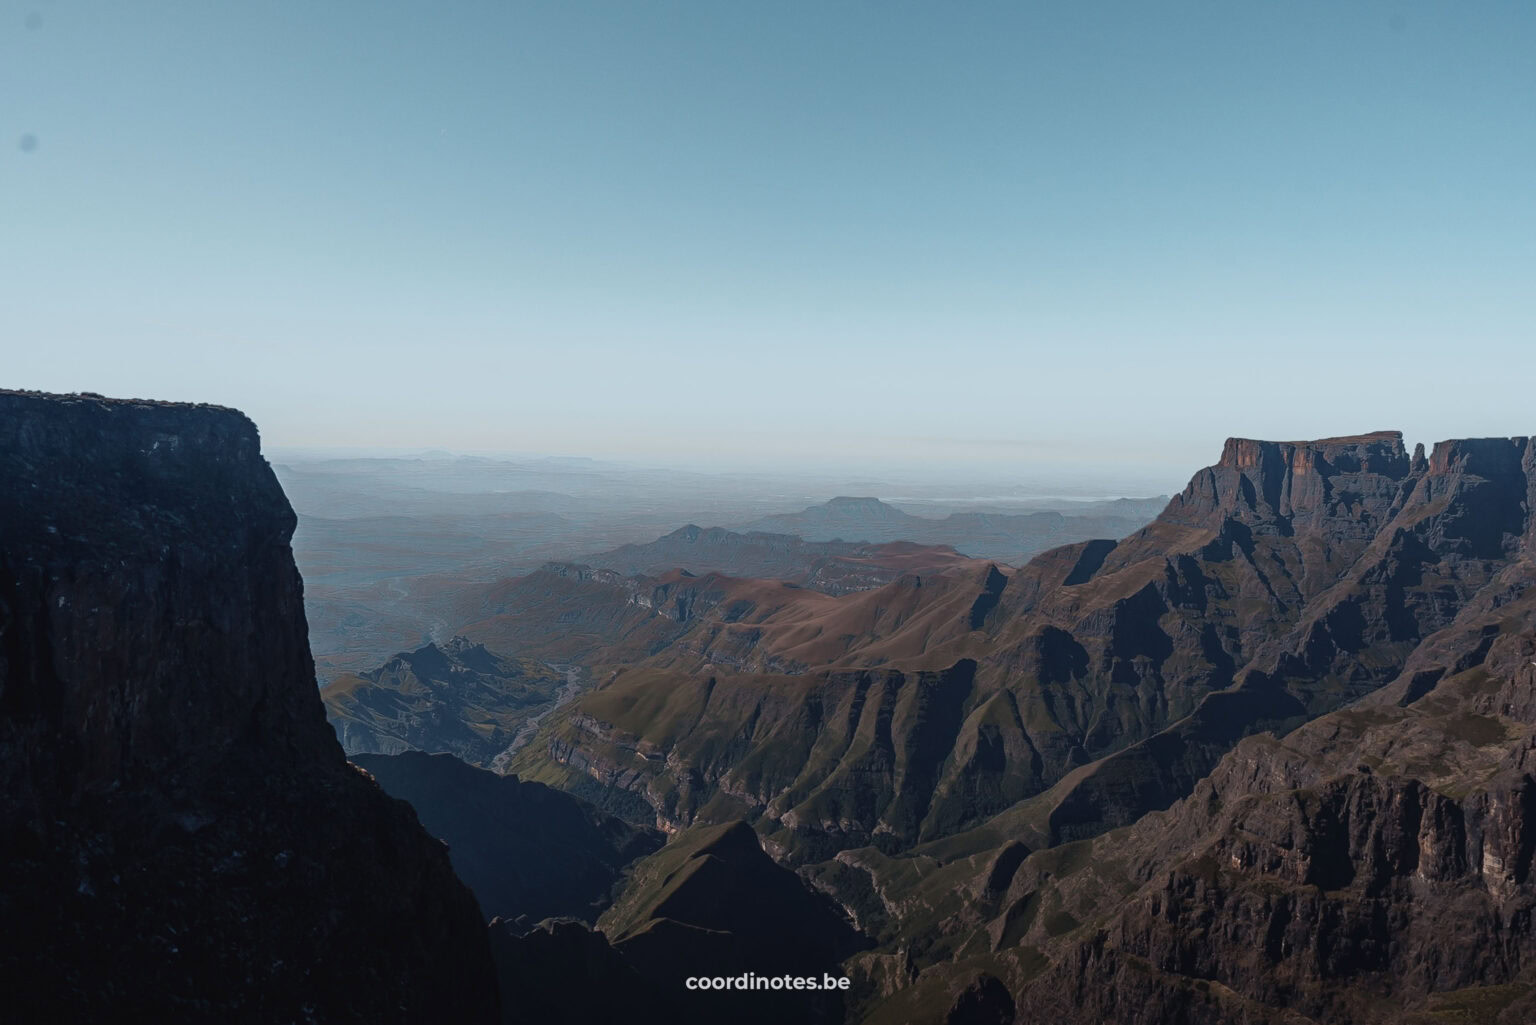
(1282, 487)
(180, 835)
(1375, 865)
(1287, 580)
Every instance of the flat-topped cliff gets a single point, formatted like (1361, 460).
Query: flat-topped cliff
(181, 837)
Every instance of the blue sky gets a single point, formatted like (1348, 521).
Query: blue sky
(897, 233)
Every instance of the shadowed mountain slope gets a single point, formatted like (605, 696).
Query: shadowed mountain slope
(712, 902)
(709, 904)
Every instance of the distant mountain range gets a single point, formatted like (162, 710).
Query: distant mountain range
(832, 567)
(1009, 538)
(386, 545)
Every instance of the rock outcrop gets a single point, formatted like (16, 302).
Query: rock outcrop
(181, 837)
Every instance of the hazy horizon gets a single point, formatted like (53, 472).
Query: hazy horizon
(1036, 463)
(814, 480)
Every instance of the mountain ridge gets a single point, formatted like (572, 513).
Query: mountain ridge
(1280, 584)
(1003, 537)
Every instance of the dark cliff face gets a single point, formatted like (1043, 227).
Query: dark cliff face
(152, 608)
(1281, 487)
(182, 837)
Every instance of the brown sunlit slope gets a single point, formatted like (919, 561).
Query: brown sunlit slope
(599, 618)
(1104, 678)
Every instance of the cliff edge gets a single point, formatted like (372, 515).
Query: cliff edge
(181, 837)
